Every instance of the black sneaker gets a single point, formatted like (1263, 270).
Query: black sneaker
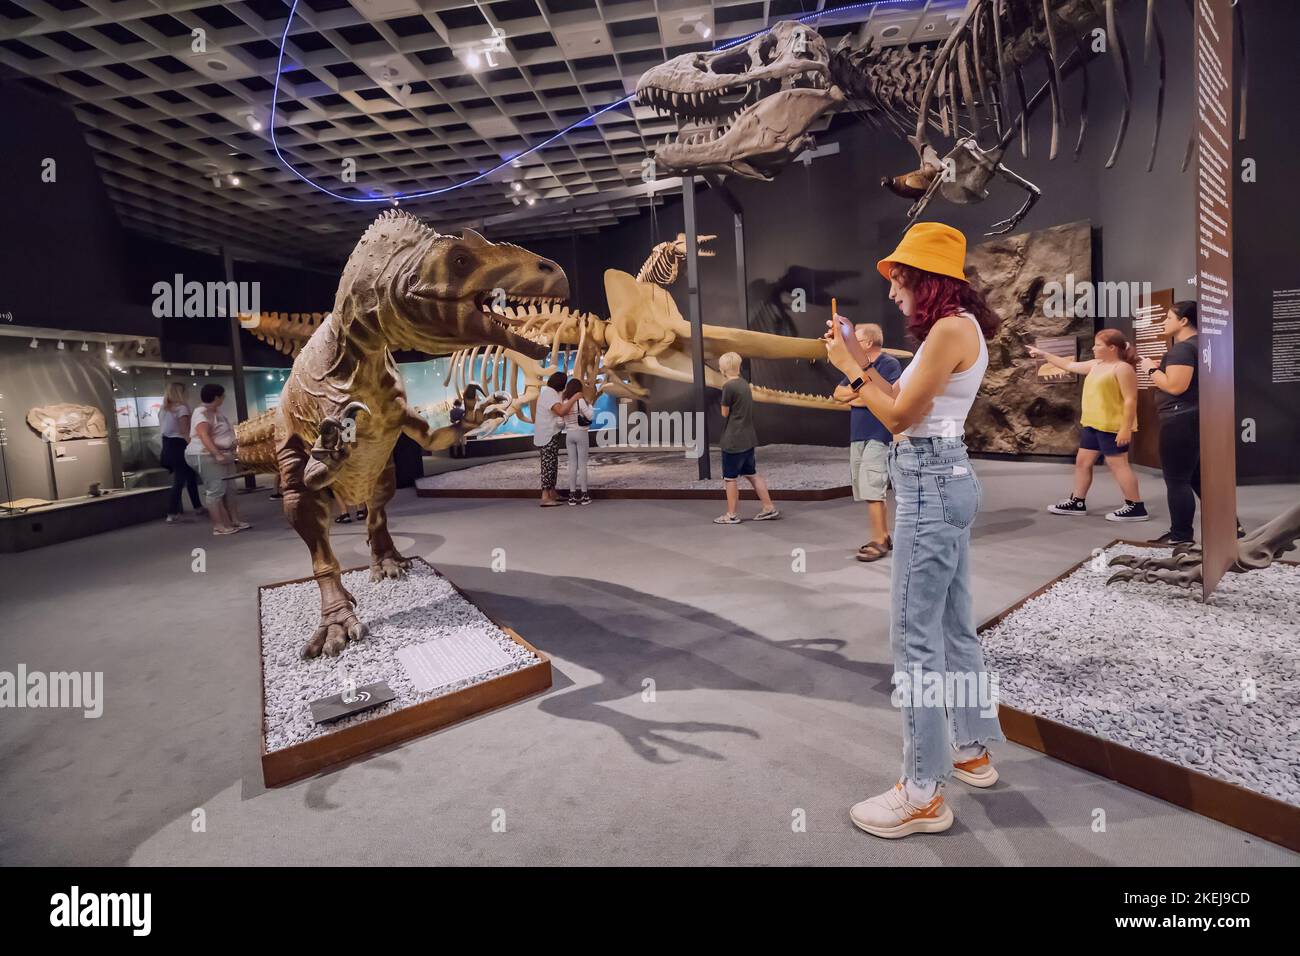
(573, 500)
(1070, 506)
(1169, 538)
(586, 500)
(1132, 511)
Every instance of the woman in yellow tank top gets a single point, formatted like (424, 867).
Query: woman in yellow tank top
(1108, 422)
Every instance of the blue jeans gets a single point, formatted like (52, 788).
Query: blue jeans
(939, 677)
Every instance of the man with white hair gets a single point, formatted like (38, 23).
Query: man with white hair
(869, 445)
(737, 443)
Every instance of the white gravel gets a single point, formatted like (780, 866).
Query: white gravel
(1153, 668)
(786, 468)
(422, 607)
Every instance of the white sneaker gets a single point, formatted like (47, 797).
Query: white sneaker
(978, 771)
(891, 815)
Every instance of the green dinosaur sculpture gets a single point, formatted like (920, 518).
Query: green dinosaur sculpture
(343, 405)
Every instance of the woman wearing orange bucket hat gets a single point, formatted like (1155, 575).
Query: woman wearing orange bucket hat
(940, 682)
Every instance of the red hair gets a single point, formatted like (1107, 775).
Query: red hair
(1127, 350)
(936, 297)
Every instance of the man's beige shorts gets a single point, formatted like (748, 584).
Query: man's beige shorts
(869, 470)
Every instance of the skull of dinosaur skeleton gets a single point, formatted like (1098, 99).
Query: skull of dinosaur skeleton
(746, 110)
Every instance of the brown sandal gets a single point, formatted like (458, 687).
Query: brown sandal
(873, 551)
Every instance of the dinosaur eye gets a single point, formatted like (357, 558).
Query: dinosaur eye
(462, 261)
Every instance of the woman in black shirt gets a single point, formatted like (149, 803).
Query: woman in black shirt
(1180, 421)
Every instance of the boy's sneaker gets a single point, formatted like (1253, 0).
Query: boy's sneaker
(573, 500)
(891, 815)
(1169, 538)
(978, 771)
(1132, 511)
(767, 515)
(586, 499)
(728, 518)
(1069, 506)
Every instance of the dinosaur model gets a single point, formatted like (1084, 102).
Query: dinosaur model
(1255, 551)
(645, 335)
(343, 405)
(747, 110)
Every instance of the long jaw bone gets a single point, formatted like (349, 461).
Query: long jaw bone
(486, 303)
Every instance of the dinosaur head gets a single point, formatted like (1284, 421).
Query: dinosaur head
(746, 110)
(447, 292)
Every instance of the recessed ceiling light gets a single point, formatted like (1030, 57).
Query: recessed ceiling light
(234, 180)
(517, 186)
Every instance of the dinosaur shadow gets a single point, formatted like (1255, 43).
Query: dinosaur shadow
(629, 637)
(771, 301)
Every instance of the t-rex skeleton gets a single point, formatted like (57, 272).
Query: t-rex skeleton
(747, 110)
(1256, 550)
(343, 405)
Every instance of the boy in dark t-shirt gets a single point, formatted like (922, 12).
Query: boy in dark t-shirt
(738, 442)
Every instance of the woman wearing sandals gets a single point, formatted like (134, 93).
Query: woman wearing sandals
(1108, 422)
(210, 453)
(548, 431)
(931, 631)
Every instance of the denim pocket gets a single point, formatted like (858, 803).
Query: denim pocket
(961, 499)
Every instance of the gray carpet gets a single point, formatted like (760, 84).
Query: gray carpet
(771, 698)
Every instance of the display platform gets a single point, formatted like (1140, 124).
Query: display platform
(443, 659)
(793, 473)
(1147, 685)
(37, 525)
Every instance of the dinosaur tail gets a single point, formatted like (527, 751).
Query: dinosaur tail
(255, 443)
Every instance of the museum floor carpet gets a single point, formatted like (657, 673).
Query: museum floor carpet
(706, 697)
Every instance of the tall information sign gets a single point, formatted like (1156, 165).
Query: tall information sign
(1214, 181)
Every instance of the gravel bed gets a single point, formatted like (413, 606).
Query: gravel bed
(1153, 668)
(786, 468)
(422, 607)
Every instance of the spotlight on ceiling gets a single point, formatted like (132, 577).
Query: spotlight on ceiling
(517, 187)
(34, 344)
(139, 348)
(472, 59)
(85, 346)
(60, 345)
(532, 200)
(108, 350)
(234, 180)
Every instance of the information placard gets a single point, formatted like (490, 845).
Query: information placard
(1216, 174)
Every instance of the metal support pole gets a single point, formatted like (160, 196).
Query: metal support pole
(236, 351)
(742, 283)
(697, 322)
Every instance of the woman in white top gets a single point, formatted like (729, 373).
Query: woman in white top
(211, 453)
(548, 432)
(576, 442)
(174, 424)
(932, 631)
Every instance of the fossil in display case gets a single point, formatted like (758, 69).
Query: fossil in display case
(64, 421)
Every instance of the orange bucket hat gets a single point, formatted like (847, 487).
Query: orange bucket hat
(932, 247)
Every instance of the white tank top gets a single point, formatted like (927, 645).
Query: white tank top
(948, 417)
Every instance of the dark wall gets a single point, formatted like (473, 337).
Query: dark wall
(1266, 254)
(823, 227)
(63, 262)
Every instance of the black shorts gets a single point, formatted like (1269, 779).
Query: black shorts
(737, 463)
(1095, 440)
